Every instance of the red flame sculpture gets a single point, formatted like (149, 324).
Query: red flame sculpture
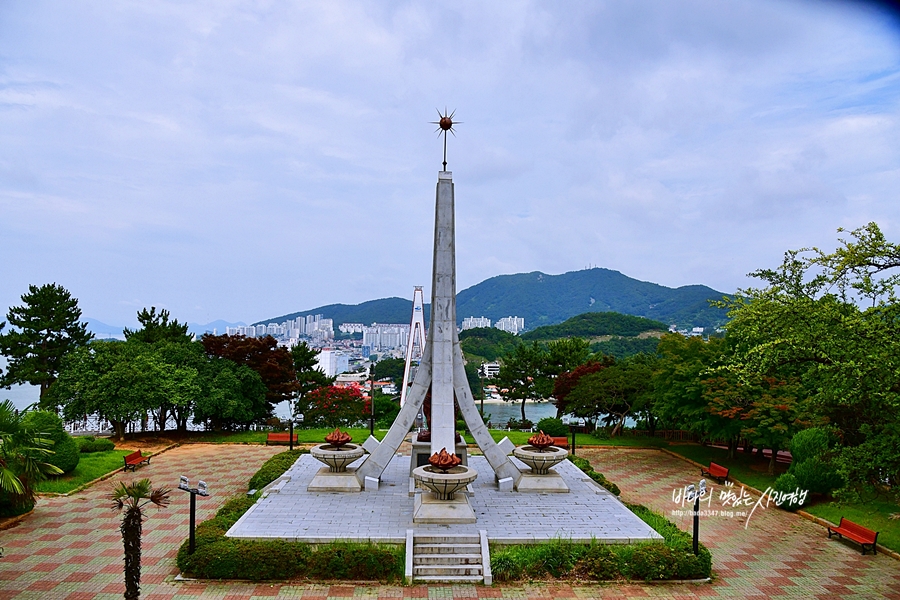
(444, 461)
(338, 438)
(541, 441)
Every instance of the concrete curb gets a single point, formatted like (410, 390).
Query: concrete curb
(13, 521)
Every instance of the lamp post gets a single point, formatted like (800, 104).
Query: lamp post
(291, 424)
(692, 494)
(372, 393)
(481, 379)
(201, 490)
(572, 429)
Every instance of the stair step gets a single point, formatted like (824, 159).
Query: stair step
(447, 559)
(447, 539)
(447, 548)
(449, 579)
(446, 570)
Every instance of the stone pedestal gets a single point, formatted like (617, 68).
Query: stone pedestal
(545, 483)
(429, 509)
(327, 480)
(421, 452)
(542, 478)
(336, 477)
(441, 503)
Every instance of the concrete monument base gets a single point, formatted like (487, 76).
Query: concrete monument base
(429, 509)
(325, 480)
(549, 483)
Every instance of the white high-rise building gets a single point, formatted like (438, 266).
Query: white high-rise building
(475, 322)
(333, 362)
(512, 325)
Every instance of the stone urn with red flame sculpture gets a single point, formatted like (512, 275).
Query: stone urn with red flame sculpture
(336, 453)
(541, 455)
(443, 476)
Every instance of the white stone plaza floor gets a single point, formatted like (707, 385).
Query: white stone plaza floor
(587, 512)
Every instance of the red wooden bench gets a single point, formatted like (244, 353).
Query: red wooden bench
(134, 459)
(859, 534)
(279, 438)
(717, 472)
(562, 442)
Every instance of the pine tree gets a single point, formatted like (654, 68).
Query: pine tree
(47, 328)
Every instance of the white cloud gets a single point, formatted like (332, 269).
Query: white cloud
(255, 158)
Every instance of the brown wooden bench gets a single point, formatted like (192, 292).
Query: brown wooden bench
(134, 459)
(561, 441)
(279, 438)
(717, 472)
(859, 534)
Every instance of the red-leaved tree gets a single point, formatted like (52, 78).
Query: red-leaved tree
(566, 382)
(274, 364)
(334, 406)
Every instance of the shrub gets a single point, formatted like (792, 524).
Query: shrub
(599, 562)
(787, 484)
(810, 443)
(274, 468)
(582, 463)
(553, 427)
(650, 561)
(89, 444)
(817, 476)
(65, 451)
(504, 566)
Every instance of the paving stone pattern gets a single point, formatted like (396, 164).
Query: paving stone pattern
(70, 548)
(586, 511)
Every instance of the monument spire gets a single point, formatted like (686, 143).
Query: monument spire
(442, 370)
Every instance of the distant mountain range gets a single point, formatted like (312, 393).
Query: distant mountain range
(102, 330)
(543, 299)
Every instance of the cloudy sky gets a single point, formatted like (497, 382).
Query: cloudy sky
(241, 160)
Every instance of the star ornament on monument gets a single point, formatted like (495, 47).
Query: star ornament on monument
(445, 123)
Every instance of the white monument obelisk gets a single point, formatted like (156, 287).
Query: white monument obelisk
(442, 369)
(416, 337)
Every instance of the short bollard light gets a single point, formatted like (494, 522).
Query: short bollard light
(695, 495)
(200, 490)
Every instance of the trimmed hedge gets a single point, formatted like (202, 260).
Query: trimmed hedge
(274, 468)
(671, 559)
(220, 557)
(585, 466)
(560, 559)
(88, 444)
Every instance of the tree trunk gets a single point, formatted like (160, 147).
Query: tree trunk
(131, 538)
(119, 428)
(651, 425)
(732, 447)
(772, 461)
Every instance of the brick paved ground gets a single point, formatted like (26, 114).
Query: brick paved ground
(71, 547)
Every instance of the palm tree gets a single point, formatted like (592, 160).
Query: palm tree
(133, 498)
(22, 454)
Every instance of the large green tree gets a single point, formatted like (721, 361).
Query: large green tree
(46, 328)
(521, 376)
(156, 327)
(615, 392)
(831, 321)
(119, 381)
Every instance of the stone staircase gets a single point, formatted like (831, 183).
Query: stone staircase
(448, 558)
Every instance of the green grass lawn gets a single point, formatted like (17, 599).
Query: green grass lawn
(90, 467)
(874, 514)
(304, 436)
(745, 468)
(621, 440)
